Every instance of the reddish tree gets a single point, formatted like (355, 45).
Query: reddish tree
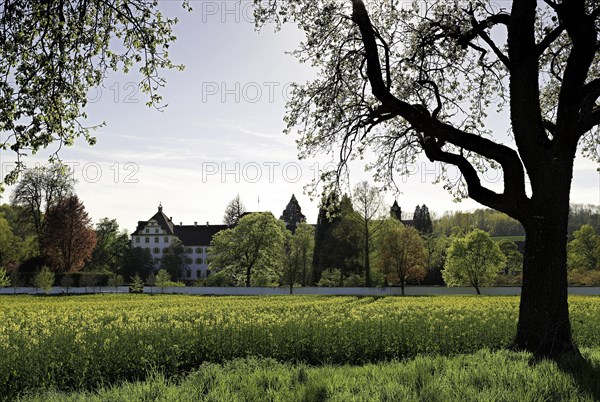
(69, 239)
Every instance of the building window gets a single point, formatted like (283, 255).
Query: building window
(207, 272)
(188, 250)
(166, 250)
(198, 260)
(147, 230)
(157, 260)
(137, 239)
(156, 250)
(147, 240)
(166, 239)
(199, 250)
(155, 230)
(188, 260)
(188, 273)
(156, 240)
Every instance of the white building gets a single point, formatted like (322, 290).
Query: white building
(157, 233)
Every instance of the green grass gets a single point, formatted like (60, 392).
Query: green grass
(482, 376)
(84, 342)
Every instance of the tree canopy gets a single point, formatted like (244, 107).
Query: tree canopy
(251, 251)
(473, 260)
(406, 81)
(53, 52)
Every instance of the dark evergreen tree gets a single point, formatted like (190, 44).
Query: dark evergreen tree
(328, 213)
(292, 215)
(422, 220)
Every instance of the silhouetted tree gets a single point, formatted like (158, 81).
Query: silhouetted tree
(234, 211)
(292, 215)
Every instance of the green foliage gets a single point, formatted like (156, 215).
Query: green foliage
(4, 278)
(473, 260)
(403, 254)
(584, 250)
(137, 284)
(218, 279)
(138, 261)
(44, 280)
(163, 278)
(299, 248)
(10, 245)
(115, 338)
(173, 259)
(252, 250)
(55, 52)
(514, 258)
(111, 246)
(115, 280)
(484, 375)
(495, 223)
(331, 278)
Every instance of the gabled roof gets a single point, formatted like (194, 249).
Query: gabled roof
(200, 235)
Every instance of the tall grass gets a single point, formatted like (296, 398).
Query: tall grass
(483, 376)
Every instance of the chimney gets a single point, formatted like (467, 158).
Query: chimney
(170, 219)
(207, 224)
(195, 223)
(180, 223)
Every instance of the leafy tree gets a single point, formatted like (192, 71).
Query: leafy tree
(584, 249)
(18, 221)
(137, 284)
(514, 258)
(292, 215)
(346, 242)
(234, 211)
(437, 249)
(115, 280)
(55, 51)
(473, 260)
(39, 190)
(162, 278)
(422, 220)
(111, 246)
(44, 280)
(173, 260)
(4, 278)
(298, 255)
(403, 253)
(410, 80)
(137, 261)
(10, 245)
(368, 200)
(68, 240)
(251, 250)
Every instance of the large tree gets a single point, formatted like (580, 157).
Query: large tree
(111, 246)
(252, 250)
(419, 79)
(403, 253)
(473, 260)
(68, 240)
(54, 51)
(40, 189)
(368, 201)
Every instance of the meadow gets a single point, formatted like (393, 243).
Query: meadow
(90, 342)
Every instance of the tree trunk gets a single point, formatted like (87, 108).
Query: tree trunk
(248, 272)
(477, 289)
(544, 326)
(402, 286)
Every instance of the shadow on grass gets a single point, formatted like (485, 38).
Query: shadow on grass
(584, 373)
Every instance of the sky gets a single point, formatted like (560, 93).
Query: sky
(221, 133)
